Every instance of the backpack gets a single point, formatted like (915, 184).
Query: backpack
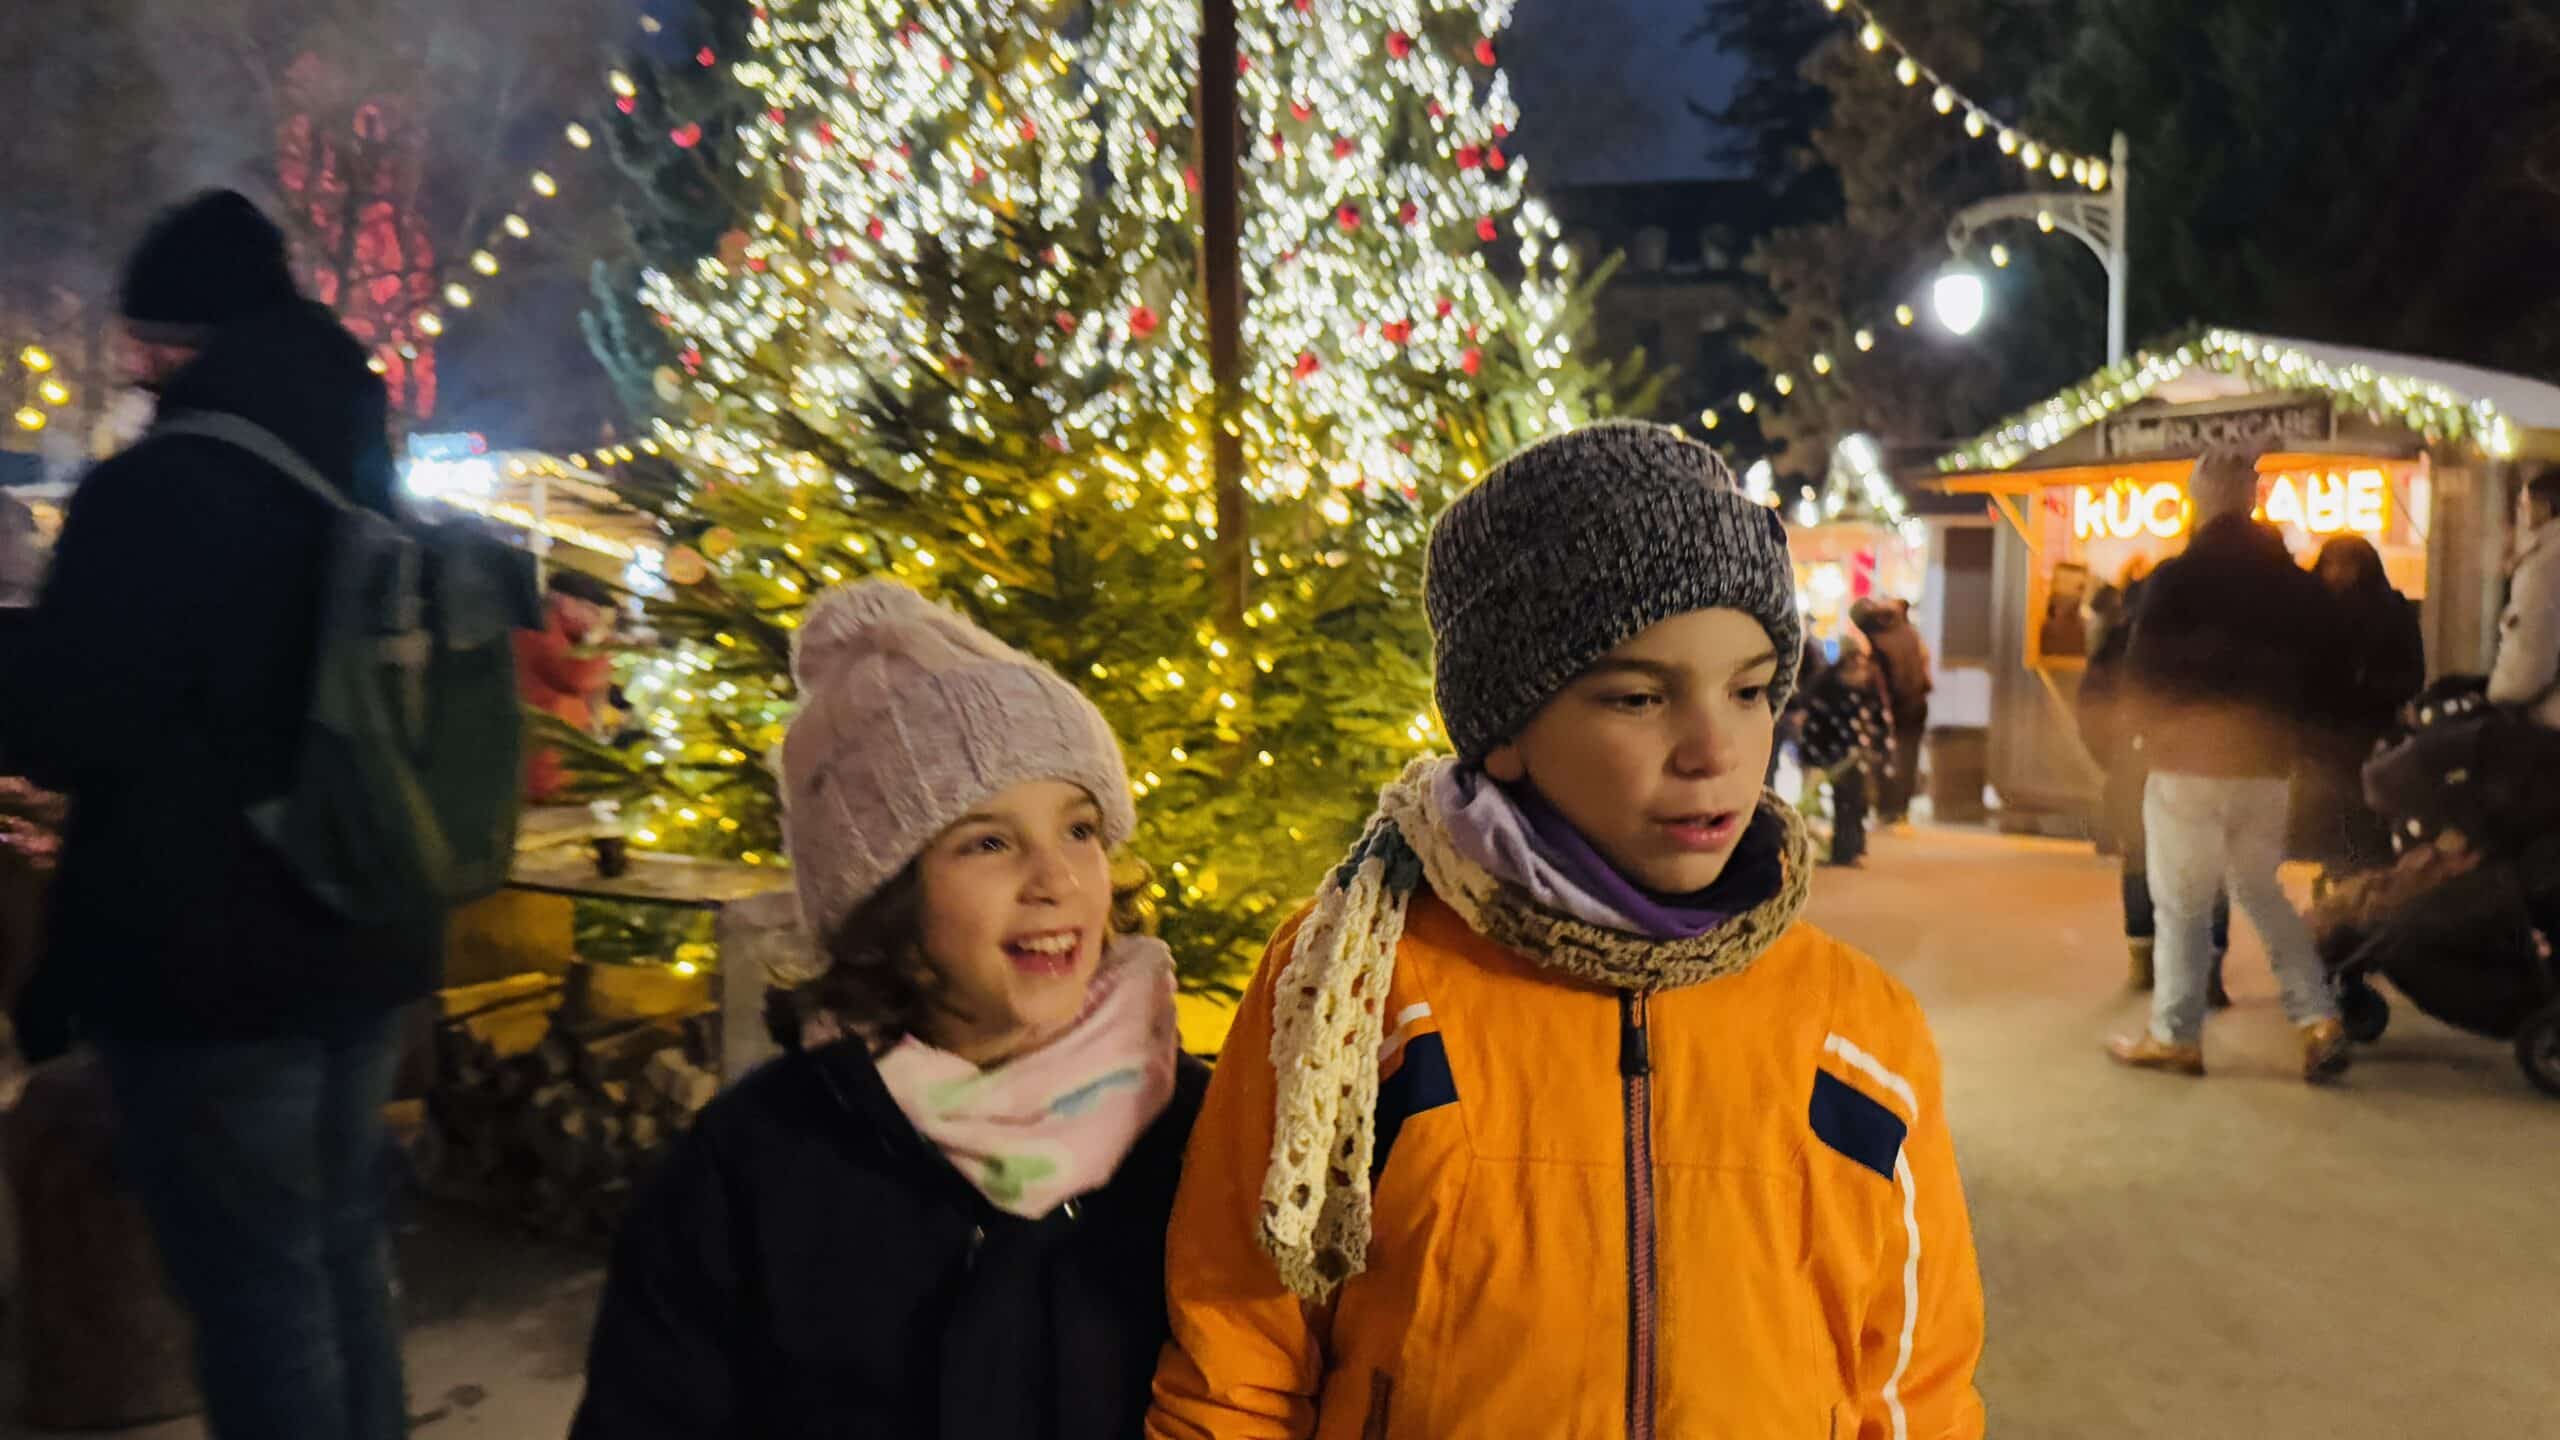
(409, 778)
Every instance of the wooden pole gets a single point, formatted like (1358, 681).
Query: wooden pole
(1222, 285)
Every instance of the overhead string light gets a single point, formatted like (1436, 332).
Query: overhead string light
(541, 185)
(1817, 366)
(2039, 156)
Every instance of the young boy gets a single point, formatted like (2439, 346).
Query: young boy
(1550, 1117)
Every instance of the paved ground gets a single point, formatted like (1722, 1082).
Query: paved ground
(2241, 1258)
(2238, 1258)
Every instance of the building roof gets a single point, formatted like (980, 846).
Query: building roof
(2436, 398)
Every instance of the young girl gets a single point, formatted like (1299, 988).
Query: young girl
(950, 1221)
(1550, 1117)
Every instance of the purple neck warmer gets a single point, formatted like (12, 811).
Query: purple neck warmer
(1512, 831)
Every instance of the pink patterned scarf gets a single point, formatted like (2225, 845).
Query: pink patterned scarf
(1047, 1126)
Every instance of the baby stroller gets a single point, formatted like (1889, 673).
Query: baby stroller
(2462, 924)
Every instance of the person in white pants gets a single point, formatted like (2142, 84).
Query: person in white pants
(2235, 651)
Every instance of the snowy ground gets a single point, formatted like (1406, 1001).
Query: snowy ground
(2239, 1258)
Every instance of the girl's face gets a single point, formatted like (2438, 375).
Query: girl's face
(1016, 911)
(1656, 754)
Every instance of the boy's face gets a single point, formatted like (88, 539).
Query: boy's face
(1657, 753)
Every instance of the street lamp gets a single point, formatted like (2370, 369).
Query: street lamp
(1958, 298)
(2097, 221)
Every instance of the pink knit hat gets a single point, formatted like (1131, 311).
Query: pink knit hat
(910, 716)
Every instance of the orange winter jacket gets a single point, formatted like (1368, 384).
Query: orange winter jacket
(1725, 1212)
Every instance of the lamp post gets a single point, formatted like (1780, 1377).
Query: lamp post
(2097, 221)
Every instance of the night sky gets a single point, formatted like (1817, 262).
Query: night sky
(1604, 85)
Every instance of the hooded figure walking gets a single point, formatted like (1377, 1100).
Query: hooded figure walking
(248, 1032)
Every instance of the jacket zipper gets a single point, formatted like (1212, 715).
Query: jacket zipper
(1635, 1071)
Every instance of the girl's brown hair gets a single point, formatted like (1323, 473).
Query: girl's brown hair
(877, 985)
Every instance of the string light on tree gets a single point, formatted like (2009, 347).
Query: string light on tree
(944, 335)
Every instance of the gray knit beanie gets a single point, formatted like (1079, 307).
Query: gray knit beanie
(1578, 544)
(910, 716)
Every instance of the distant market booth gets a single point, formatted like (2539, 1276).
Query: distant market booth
(2420, 457)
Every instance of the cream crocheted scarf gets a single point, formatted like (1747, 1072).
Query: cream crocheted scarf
(1328, 1005)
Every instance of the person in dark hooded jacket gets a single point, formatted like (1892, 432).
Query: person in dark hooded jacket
(162, 681)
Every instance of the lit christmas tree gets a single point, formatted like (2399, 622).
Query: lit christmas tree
(959, 342)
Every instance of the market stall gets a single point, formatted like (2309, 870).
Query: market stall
(2417, 456)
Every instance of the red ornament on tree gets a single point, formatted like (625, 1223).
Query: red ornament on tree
(1191, 178)
(1343, 145)
(1301, 111)
(1066, 322)
(1304, 5)
(826, 133)
(1472, 360)
(1409, 213)
(1279, 144)
(1437, 110)
(690, 359)
(877, 229)
(626, 104)
(705, 58)
(946, 64)
(1049, 256)
(756, 263)
(1348, 217)
(1244, 65)
(686, 135)
(1030, 132)
(1445, 306)
(1501, 132)
(1399, 44)
(1484, 51)
(1142, 321)
(1486, 231)
(1398, 332)
(1470, 156)
(777, 115)
(978, 175)
(1308, 364)
(1494, 159)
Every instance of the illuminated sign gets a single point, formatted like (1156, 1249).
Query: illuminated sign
(2315, 502)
